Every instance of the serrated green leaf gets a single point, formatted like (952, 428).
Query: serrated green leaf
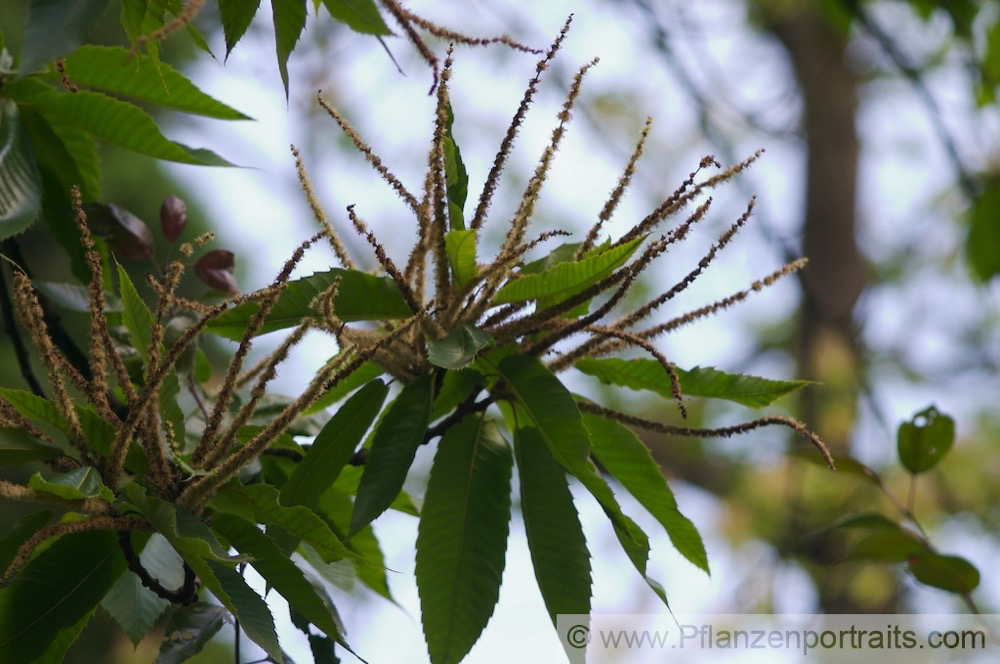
(543, 404)
(277, 569)
(289, 20)
(360, 15)
(249, 608)
(68, 152)
(77, 484)
(626, 458)
(566, 279)
(462, 537)
(189, 536)
(20, 181)
(334, 446)
(555, 537)
(394, 445)
(19, 533)
(360, 297)
(112, 120)
(236, 17)
(458, 349)
(190, 628)
(62, 642)
(260, 503)
(336, 507)
(116, 70)
(456, 177)
(350, 478)
(454, 389)
(561, 254)
(649, 374)
(925, 440)
(133, 606)
(55, 28)
(136, 316)
(360, 376)
(460, 245)
(951, 573)
(60, 586)
(17, 447)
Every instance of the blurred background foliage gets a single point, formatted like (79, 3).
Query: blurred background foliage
(881, 124)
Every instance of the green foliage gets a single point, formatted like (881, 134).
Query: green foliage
(20, 181)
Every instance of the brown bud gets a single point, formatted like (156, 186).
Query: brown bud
(173, 217)
(126, 234)
(215, 270)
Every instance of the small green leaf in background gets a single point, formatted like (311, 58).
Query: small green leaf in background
(334, 446)
(17, 447)
(394, 445)
(649, 374)
(289, 20)
(555, 537)
(20, 181)
(626, 458)
(249, 608)
(952, 573)
(236, 16)
(56, 27)
(58, 588)
(458, 349)
(923, 441)
(77, 484)
(190, 628)
(360, 15)
(563, 280)
(887, 545)
(982, 245)
(461, 249)
(462, 537)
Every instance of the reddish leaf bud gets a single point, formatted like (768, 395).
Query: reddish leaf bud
(215, 270)
(126, 234)
(173, 217)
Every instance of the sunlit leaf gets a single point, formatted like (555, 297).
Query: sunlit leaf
(649, 374)
(460, 246)
(456, 177)
(20, 181)
(458, 348)
(136, 315)
(462, 537)
(113, 120)
(334, 446)
(113, 69)
(60, 586)
(952, 573)
(566, 279)
(55, 28)
(77, 484)
(360, 296)
(923, 441)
